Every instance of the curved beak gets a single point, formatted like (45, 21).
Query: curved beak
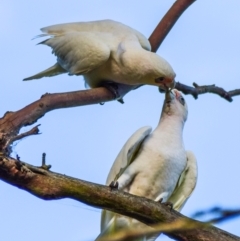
(172, 84)
(166, 82)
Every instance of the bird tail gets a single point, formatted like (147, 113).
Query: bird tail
(56, 69)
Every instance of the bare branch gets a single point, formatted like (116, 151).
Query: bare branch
(167, 22)
(12, 122)
(49, 185)
(198, 90)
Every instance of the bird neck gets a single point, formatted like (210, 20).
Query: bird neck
(171, 124)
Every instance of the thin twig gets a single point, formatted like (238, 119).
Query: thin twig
(198, 90)
(9, 141)
(234, 92)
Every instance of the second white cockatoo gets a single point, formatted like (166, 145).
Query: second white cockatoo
(154, 165)
(105, 51)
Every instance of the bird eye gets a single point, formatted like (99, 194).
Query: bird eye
(159, 79)
(181, 100)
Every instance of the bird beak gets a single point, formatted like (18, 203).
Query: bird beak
(172, 84)
(169, 96)
(166, 82)
(177, 94)
(169, 84)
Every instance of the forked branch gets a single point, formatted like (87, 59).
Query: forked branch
(198, 90)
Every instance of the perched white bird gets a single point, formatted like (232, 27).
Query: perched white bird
(105, 51)
(154, 165)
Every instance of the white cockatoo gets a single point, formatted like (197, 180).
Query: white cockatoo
(154, 165)
(105, 51)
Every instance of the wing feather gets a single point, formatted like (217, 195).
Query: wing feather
(127, 153)
(186, 183)
(79, 52)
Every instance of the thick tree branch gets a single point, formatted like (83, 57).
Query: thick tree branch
(48, 185)
(183, 224)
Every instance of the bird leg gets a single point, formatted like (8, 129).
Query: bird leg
(118, 90)
(113, 185)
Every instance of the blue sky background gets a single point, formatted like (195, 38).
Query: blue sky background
(82, 142)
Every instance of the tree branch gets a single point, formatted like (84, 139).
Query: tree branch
(49, 186)
(198, 90)
(12, 122)
(234, 92)
(167, 22)
(180, 224)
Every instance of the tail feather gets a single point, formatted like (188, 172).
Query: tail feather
(56, 69)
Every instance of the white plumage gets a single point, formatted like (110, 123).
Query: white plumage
(104, 51)
(154, 165)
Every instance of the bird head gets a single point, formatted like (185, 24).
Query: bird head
(175, 104)
(164, 75)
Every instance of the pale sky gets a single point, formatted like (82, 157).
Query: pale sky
(82, 142)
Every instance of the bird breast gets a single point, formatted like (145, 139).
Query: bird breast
(159, 170)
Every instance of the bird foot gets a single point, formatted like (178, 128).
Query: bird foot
(113, 185)
(118, 90)
(168, 204)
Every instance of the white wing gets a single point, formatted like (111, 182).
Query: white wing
(84, 46)
(117, 29)
(79, 52)
(186, 183)
(127, 153)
